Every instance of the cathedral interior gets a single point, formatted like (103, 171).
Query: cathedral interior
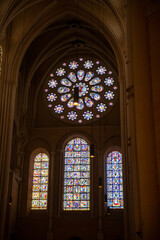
(79, 120)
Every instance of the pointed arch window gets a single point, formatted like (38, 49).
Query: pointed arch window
(114, 180)
(77, 175)
(40, 182)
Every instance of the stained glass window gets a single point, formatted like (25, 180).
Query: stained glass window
(76, 176)
(97, 90)
(114, 180)
(40, 182)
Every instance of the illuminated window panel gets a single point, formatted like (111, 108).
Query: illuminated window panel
(114, 180)
(40, 182)
(76, 176)
(97, 90)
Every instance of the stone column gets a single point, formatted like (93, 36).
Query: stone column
(100, 195)
(51, 197)
(6, 125)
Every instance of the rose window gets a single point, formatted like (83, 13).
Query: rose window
(97, 90)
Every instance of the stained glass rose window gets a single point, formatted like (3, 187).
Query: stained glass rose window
(97, 90)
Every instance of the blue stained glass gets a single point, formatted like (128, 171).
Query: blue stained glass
(80, 105)
(95, 81)
(52, 83)
(108, 81)
(101, 70)
(88, 102)
(80, 75)
(77, 189)
(45, 165)
(109, 95)
(88, 115)
(85, 147)
(70, 103)
(98, 88)
(101, 107)
(88, 64)
(76, 176)
(66, 82)
(95, 96)
(68, 182)
(65, 97)
(85, 168)
(51, 97)
(84, 154)
(88, 76)
(60, 72)
(85, 160)
(63, 90)
(114, 180)
(72, 76)
(58, 108)
(72, 115)
(83, 89)
(40, 182)
(73, 65)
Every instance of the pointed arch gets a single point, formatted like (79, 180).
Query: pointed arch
(76, 194)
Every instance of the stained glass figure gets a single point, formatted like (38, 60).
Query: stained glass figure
(72, 76)
(88, 102)
(70, 103)
(88, 64)
(114, 180)
(83, 89)
(88, 76)
(76, 196)
(95, 81)
(66, 82)
(80, 105)
(101, 107)
(101, 70)
(52, 83)
(98, 88)
(40, 182)
(95, 96)
(65, 97)
(73, 65)
(109, 95)
(80, 75)
(63, 89)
